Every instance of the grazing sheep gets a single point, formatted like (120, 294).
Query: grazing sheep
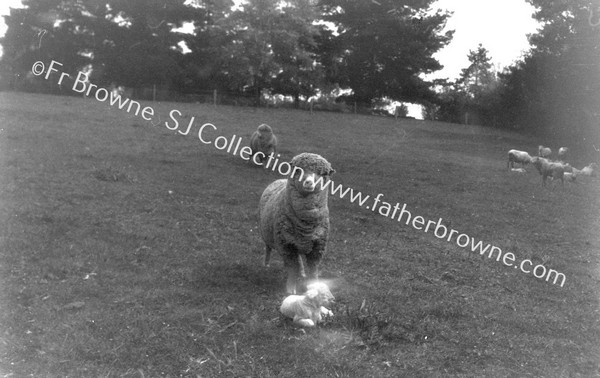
(548, 168)
(544, 151)
(263, 142)
(589, 170)
(294, 217)
(516, 156)
(518, 170)
(307, 310)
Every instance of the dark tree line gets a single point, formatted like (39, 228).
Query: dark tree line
(554, 91)
(377, 48)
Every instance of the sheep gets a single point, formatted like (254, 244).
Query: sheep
(518, 170)
(562, 153)
(568, 167)
(548, 168)
(263, 142)
(544, 151)
(307, 310)
(294, 217)
(589, 170)
(516, 156)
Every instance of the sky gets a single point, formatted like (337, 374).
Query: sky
(501, 26)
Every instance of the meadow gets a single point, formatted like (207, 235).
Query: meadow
(129, 250)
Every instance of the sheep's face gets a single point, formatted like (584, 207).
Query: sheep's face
(311, 172)
(320, 294)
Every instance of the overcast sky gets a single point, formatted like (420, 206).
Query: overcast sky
(501, 26)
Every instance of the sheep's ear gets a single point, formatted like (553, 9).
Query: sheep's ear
(312, 293)
(331, 171)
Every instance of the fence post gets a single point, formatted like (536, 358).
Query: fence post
(214, 97)
(354, 107)
(153, 92)
(311, 108)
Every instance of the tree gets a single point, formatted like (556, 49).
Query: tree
(479, 76)
(271, 47)
(380, 48)
(126, 42)
(555, 90)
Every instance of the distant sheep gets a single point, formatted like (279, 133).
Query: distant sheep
(516, 156)
(263, 142)
(518, 170)
(294, 217)
(544, 151)
(549, 169)
(562, 153)
(307, 310)
(568, 167)
(589, 170)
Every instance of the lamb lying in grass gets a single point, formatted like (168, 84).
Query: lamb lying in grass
(516, 156)
(294, 217)
(549, 169)
(307, 310)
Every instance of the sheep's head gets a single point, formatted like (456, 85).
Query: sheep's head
(537, 162)
(319, 293)
(310, 172)
(264, 131)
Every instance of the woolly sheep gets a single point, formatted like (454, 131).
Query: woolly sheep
(294, 217)
(544, 151)
(548, 168)
(263, 141)
(307, 310)
(516, 156)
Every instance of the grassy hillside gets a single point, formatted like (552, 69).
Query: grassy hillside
(129, 250)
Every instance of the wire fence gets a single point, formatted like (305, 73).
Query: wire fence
(216, 97)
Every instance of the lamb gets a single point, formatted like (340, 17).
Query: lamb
(589, 170)
(516, 156)
(294, 217)
(307, 310)
(544, 151)
(548, 168)
(263, 142)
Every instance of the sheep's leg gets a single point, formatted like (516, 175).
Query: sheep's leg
(292, 268)
(267, 255)
(312, 263)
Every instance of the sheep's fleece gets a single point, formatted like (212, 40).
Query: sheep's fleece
(295, 220)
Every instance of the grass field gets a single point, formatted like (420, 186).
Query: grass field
(128, 250)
